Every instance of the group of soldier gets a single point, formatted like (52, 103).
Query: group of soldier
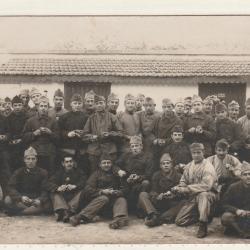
(183, 164)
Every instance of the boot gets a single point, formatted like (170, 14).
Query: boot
(152, 220)
(59, 215)
(75, 220)
(119, 222)
(202, 230)
(66, 216)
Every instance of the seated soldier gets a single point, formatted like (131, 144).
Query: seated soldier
(27, 194)
(178, 149)
(236, 203)
(160, 205)
(105, 193)
(199, 184)
(227, 167)
(66, 187)
(137, 168)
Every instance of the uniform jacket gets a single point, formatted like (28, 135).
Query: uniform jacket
(44, 143)
(53, 113)
(31, 183)
(244, 123)
(3, 131)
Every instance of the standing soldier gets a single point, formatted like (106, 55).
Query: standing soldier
(66, 186)
(58, 108)
(208, 106)
(8, 106)
(24, 95)
(147, 118)
(200, 127)
(101, 128)
(179, 109)
(187, 105)
(34, 96)
(113, 103)
(130, 122)
(27, 194)
(199, 184)
(139, 101)
(71, 125)
(89, 102)
(2, 106)
(15, 124)
(233, 110)
(244, 121)
(41, 132)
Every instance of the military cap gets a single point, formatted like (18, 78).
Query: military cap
(196, 98)
(165, 157)
(90, 95)
(24, 92)
(245, 167)
(113, 96)
(149, 99)
(76, 98)
(7, 99)
(34, 91)
(135, 139)
(16, 99)
(188, 101)
(105, 156)
(167, 101)
(208, 99)
(177, 128)
(129, 97)
(99, 98)
(59, 93)
(140, 96)
(233, 104)
(196, 146)
(220, 107)
(247, 102)
(43, 98)
(179, 100)
(30, 151)
(2, 100)
(222, 143)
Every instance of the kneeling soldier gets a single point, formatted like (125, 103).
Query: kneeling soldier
(105, 192)
(160, 205)
(27, 194)
(199, 184)
(66, 187)
(236, 203)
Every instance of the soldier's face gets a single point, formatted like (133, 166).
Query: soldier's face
(166, 166)
(167, 107)
(17, 107)
(113, 104)
(187, 107)
(25, 99)
(247, 110)
(233, 112)
(177, 136)
(149, 107)
(58, 101)
(106, 165)
(130, 105)
(179, 108)
(208, 107)
(100, 106)
(220, 115)
(139, 102)
(8, 105)
(220, 152)
(43, 108)
(30, 161)
(89, 103)
(136, 148)
(68, 163)
(197, 107)
(245, 176)
(197, 155)
(35, 98)
(76, 106)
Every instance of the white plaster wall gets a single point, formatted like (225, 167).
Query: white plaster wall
(155, 91)
(12, 89)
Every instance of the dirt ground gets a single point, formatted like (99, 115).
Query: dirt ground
(43, 229)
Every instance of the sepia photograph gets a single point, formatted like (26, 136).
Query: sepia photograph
(124, 128)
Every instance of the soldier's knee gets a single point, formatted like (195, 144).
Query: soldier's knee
(143, 195)
(145, 185)
(104, 199)
(203, 195)
(7, 201)
(227, 218)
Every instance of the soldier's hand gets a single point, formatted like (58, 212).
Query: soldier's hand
(79, 133)
(105, 134)
(62, 188)
(94, 138)
(47, 131)
(199, 130)
(16, 141)
(191, 130)
(107, 191)
(116, 192)
(37, 132)
(229, 167)
(121, 173)
(241, 213)
(71, 134)
(3, 137)
(161, 142)
(26, 200)
(155, 141)
(71, 187)
(36, 202)
(160, 197)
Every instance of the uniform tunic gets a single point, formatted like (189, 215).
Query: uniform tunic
(56, 113)
(244, 123)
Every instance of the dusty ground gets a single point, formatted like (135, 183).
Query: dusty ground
(43, 229)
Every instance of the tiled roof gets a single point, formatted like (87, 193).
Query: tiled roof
(120, 66)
